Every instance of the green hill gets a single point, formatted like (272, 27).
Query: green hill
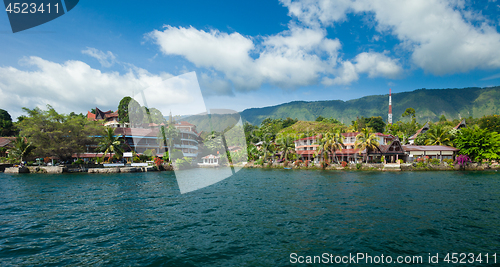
(429, 104)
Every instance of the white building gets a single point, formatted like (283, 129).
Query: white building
(209, 161)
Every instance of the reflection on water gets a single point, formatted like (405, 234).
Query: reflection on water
(255, 218)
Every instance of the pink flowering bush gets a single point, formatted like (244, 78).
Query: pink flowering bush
(462, 160)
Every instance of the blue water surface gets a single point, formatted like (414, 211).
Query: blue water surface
(258, 217)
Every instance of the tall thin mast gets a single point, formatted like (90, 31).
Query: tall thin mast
(389, 118)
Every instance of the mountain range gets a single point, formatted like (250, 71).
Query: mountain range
(429, 105)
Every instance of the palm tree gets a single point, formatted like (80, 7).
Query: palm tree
(285, 146)
(172, 136)
(267, 146)
(366, 139)
(438, 136)
(110, 143)
(335, 143)
(21, 148)
(330, 142)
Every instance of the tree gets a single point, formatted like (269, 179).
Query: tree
(285, 146)
(330, 142)
(442, 118)
(21, 148)
(136, 114)
(320, 118)
(6, 126)
(366, 139)
(110, 144)
(478, 143)
(168, 136)
(409, 112)
(156, 116)
(59, 135)
(491, 123)
(438, 136)
(123, 109)
(376, 123)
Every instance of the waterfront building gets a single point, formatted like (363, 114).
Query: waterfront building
(142, 139)
(438, 152)
(209, 161)
(422, 130)
(109, 118)
(306, 148)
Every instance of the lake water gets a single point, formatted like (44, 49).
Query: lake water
(255, 218)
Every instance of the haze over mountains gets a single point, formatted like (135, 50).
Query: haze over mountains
(429, 104)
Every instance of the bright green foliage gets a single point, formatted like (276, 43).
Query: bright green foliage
(442, 118)
(286, 146)
(366, 139)
(438, 136)
(6, 126)
(491, 123)
(214, 144)
(183, 163)
(59, 135)
(21, 149)
(123, 109)
(329, 142)
(409, 112)
(478, 143)
(376, 123)
(110, 144)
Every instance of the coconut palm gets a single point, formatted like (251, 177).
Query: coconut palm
(330, 142)
(21, 149)
(268, 147)
(438, 136)
(286, 146)
(335, 143)
(110, 144)
(366, 139)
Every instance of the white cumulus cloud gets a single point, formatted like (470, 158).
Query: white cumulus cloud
(299, 56)
(439, 34)
(75, 86)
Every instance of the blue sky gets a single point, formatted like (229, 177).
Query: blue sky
(249, 53)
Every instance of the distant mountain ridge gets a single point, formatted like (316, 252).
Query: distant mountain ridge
(429, 104)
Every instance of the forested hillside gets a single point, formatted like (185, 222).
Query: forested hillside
(429, 104)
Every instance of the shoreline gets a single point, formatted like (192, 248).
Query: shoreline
(378, 167)
(332, 167)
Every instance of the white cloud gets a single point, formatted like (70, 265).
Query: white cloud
(75, 86)
(299, 56)
(377, 65)
(106, 59)
(439, 34)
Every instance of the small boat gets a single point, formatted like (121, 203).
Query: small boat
(287, 168)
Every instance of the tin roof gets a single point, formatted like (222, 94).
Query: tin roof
(429, 148)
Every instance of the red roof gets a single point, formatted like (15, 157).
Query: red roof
(4, 141)
(306, 152)
(183, 123)
(460, 125)
(111, 115)
(90, 115)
